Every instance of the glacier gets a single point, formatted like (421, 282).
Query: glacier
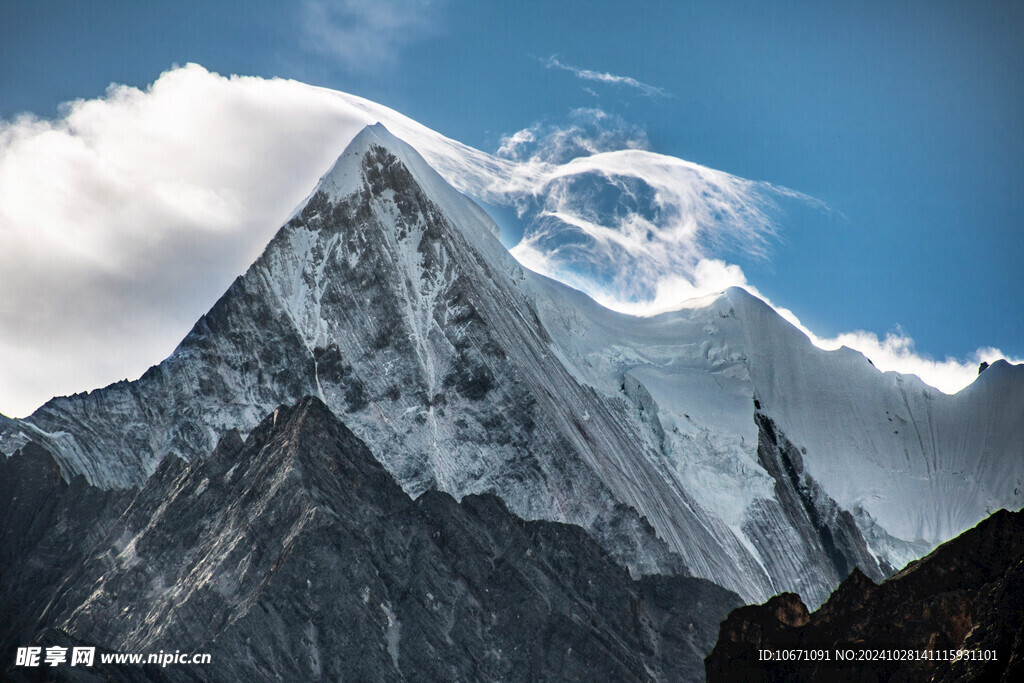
(714, 439)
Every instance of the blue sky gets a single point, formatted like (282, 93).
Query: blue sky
(906, 119)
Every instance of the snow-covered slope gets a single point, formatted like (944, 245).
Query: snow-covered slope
(715, 436)
(924, 464)
(906, 460)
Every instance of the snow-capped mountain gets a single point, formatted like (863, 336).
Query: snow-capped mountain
(715, 437)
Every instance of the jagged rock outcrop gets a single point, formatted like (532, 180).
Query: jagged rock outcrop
(46, 527)
(294, 554)
(817, 528)
(966, 595)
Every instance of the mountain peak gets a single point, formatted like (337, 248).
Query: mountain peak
(378, 134)
(348, 175)
(345, 176)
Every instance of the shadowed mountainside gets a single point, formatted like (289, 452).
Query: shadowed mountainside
(968, 594)
(295, 554)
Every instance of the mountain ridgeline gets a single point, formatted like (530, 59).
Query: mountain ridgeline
(294, 555)
(714, 440)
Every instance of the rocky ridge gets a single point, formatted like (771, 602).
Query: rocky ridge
(968, 594)
(294, 554)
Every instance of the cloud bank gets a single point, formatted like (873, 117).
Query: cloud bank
(125, 218)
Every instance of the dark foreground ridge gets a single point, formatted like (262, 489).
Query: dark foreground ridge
(294, 555)
(968, 594)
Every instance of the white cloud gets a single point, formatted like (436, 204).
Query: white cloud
(630, 226)
(587, 131)
(366, 35)
(124, 219)
(553, 62)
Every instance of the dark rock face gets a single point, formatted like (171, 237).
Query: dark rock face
(295, 555)
(821, 529)
(966, 595)
(46, 527)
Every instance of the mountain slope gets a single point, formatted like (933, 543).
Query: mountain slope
(401, 310)
(295, 555)
(687, 439)
(913, 466)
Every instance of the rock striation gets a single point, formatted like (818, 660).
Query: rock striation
(294, 555)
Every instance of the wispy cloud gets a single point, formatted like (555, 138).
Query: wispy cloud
(639, 231)
(553, 62)
(587, 131)
(366, 35)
